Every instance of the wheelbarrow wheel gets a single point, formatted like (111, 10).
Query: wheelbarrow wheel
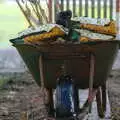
(101, 101)
(66, 97)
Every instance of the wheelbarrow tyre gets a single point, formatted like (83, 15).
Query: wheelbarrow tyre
(65, 97)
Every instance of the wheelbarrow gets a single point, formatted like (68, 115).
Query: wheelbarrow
(89, 63)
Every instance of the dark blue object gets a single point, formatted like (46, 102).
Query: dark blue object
(65, 96)
(64, 18)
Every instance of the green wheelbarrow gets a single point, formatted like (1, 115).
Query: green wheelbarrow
(89, 63)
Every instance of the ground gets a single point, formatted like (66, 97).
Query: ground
(114, 93)
(20, 95)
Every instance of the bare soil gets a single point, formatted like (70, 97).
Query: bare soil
(114, 93)
(21, 97)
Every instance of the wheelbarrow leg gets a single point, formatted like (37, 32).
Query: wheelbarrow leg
(101, 100)
(50, 104)
(87, 107)
(91, 80)
(104, 96)
(99, 103)
(76, 92)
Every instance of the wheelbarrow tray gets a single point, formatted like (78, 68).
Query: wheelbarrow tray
(74, 57)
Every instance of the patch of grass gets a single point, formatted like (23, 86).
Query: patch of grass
(3, 82)
(12, 21)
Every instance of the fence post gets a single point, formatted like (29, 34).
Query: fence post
(67, 5)
(62, 5)
(74, 8)
(99, 8)
(118, 18)
(50, 10)
(80, 8)
(86, 8)
(111, 8)
(93, 8)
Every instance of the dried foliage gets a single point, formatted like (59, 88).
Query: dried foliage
(33, 11)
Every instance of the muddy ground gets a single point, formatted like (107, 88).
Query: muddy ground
(21, 97)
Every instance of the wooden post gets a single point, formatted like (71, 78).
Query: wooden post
(118, 18)
(80, 8)
(67, 4)
(50, 10)
(86, 7)
(117, 5)
(62, 5)
(74, 8)
(111, 9)
(57, 8)
(99, 8)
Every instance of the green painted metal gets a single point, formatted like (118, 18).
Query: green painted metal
(104, 52)
(31, 58)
